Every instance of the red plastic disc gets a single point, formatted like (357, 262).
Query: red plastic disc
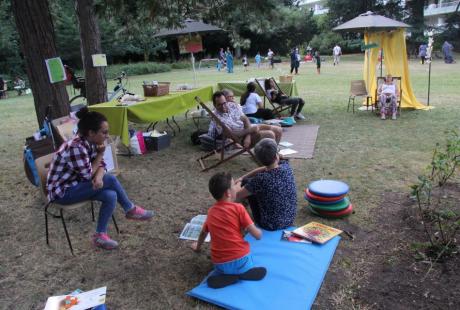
(340, 213)
(321, 198)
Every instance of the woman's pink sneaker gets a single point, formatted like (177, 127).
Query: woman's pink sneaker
(139, 214)
(102, 240)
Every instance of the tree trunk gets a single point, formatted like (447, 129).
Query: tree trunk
(90, 41)
(146, 56)
(36, 34)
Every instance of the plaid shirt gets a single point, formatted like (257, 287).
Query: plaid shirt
(232, 119)
(71, 164)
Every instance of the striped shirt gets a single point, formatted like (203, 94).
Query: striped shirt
(71, 165)
(232, 120)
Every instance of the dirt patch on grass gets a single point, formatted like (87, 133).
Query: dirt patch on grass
(387, 272)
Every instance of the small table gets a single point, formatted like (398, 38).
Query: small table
(151, 110)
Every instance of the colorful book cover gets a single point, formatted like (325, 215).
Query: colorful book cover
(289, 236)
(317, 232)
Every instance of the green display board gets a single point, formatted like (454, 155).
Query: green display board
(56, 71)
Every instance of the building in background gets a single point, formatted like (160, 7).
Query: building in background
(318, 7)
(436, 12)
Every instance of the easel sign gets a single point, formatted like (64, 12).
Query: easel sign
(99, 60)
(55, 68)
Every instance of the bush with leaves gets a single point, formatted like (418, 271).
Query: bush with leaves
(440, 215)
(137, 69)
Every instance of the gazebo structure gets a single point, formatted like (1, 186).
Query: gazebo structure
(188, 28)
(387, 34)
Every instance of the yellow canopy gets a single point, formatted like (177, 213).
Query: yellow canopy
(393, 44)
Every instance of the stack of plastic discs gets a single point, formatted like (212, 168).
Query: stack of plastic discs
(328, 198)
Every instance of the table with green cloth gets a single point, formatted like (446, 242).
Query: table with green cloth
(238, 88)
(151, 110)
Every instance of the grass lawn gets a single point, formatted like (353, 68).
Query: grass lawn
(152, 269)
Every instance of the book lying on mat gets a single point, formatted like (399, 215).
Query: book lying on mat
(317, 232)
(285, 144)
(289, 236)
(192, 230)
(287, 152)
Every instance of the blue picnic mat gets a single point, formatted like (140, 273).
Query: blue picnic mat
(295, 272)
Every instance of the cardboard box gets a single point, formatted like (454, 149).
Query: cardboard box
(285, 78)
(157, 143)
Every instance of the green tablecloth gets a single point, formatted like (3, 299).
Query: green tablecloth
(151, 110)
(239, 88)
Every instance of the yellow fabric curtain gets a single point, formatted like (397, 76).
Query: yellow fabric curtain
(393, 44)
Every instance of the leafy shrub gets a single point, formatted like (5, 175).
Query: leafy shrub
(139, 68)
(182, 65)
(325, 42)
(439, 215)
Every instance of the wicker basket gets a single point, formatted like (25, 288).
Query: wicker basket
(156, 90)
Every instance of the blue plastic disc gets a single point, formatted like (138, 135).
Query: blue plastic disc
(328, 188)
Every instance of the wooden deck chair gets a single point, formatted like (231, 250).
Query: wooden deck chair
(276, 107)
(398, 82)
(228, 140)
(358, 89)
(43, 164)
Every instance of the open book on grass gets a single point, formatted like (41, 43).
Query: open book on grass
(317, 232)
(192, 230)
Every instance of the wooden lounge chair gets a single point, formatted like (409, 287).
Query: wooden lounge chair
(228, 140)
(358, 89)
(276, 107)
(396, 80)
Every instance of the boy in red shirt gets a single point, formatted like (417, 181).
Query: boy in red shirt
(226, 221)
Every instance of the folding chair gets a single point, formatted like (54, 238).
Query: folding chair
(228, 140)
(380, 81)
(358, 89)
(42, 164)
(277, 108)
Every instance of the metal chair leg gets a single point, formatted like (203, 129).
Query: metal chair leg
(66, 232)
(115, 224)
(348, 107)
(92, 210)
(46, 224)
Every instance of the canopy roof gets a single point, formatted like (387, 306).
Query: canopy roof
(189, 26)
(370, 21)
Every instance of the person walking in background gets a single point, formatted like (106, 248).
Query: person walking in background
(229, 58)
(318, 62)
(270, 55)
(258, 59)
(447, 51)
(294, 61)
(422, 53)
(336, 52)
(245, 62)
(222, 58)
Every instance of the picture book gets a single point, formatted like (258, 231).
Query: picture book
(78, 300)
(192, 230)
(317, 232)
(289, 236)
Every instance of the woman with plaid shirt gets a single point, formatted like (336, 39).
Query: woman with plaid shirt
(77, 173)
